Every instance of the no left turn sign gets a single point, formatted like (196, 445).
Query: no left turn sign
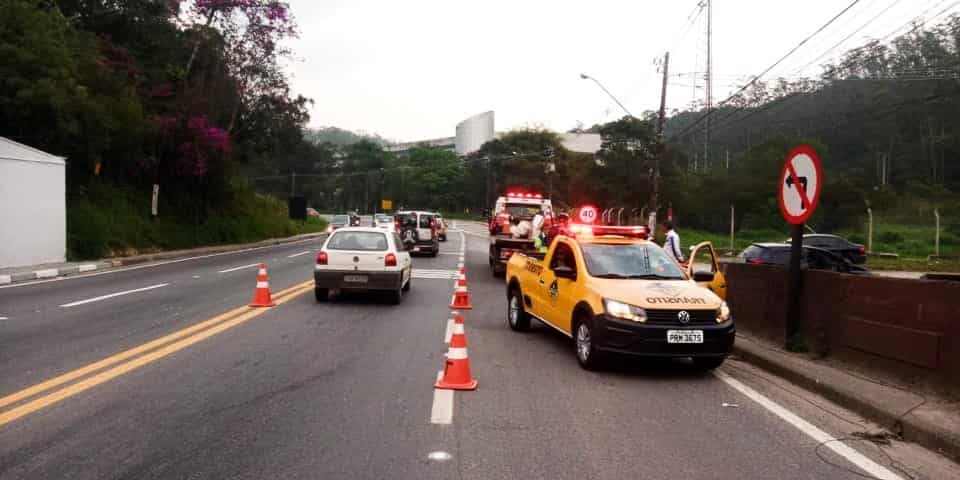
(800, 183)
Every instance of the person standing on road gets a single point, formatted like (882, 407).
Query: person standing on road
(672, 242)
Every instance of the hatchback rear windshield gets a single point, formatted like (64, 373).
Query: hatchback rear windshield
(425, 221)
(520, 210)
(360, 241)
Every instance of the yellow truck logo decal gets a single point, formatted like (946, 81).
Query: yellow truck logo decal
(692, 301)
(534, 268)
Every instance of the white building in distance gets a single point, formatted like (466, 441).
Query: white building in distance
(473, 132)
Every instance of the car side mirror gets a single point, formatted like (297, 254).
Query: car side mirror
(563, 271)
(703, 276)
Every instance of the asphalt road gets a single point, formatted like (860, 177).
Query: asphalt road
(344, 389)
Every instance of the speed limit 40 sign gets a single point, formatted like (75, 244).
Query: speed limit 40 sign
(587, 214)
(801, 180)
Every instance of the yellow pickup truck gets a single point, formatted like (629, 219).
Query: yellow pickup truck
(613, 292)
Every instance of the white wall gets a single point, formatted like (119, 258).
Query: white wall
(33, 217)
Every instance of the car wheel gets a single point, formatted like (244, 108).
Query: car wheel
(435, 252)
(708, 363)
(407, 286)
(517, 317)
(443, 238)
(321, 294)
(588, 355)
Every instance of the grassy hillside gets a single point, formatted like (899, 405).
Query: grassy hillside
(106, 220)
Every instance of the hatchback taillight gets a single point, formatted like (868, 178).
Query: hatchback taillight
(755, 261)
(322, 258)
(861, 250)
(390, 260)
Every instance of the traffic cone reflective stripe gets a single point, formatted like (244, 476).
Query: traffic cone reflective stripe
(261, 295)
(461, 299)
(456, 373)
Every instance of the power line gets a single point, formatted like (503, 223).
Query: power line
(827, 52)
(918, 25)
(771, 67)
(907, 74)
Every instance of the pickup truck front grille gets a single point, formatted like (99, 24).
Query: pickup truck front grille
(671, 317)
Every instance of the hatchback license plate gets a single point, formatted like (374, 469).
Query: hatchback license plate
(355, 278)
(684, 336)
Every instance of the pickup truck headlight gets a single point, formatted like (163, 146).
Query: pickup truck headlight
(624, 311)
(723, 313)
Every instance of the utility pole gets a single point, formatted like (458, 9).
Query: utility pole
(661, 148)
(709, 81)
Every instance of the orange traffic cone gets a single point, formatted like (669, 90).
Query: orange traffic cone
(461, 299)
(456, 372)
(463, 269)
(462, 280)
(457, 318)
(261, 296)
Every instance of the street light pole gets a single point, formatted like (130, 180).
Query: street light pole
(588, 77)
(661, 148)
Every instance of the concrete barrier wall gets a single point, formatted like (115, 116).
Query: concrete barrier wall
(907, 325)
(33, 215)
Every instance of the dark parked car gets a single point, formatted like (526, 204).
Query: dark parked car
(812, 258)
(836, 244)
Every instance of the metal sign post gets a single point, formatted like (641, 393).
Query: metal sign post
(801, 180)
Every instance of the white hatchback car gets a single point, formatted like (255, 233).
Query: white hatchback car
(362, 259)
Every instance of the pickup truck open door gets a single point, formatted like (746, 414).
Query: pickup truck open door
(703, 267)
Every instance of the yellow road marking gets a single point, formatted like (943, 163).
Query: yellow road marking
(280, 297)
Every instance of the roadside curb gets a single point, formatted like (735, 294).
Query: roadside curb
(48, 273)
(892, 408)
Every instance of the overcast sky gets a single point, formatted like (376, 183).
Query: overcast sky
(410, 70)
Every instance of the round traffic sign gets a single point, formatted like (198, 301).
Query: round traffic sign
(800, 183)
(587, 214)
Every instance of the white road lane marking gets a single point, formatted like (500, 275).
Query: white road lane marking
(451, 253)
(828, 441)
(111, 295)
(234, 269)
(427, 273)
(4, 318)
(298, 254)
(439, 456)
(442, 411)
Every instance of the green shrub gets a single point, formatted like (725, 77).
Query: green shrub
(890, 237)
(109, 220)
(87, 232)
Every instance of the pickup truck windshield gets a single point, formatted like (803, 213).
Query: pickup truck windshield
(634, 260)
